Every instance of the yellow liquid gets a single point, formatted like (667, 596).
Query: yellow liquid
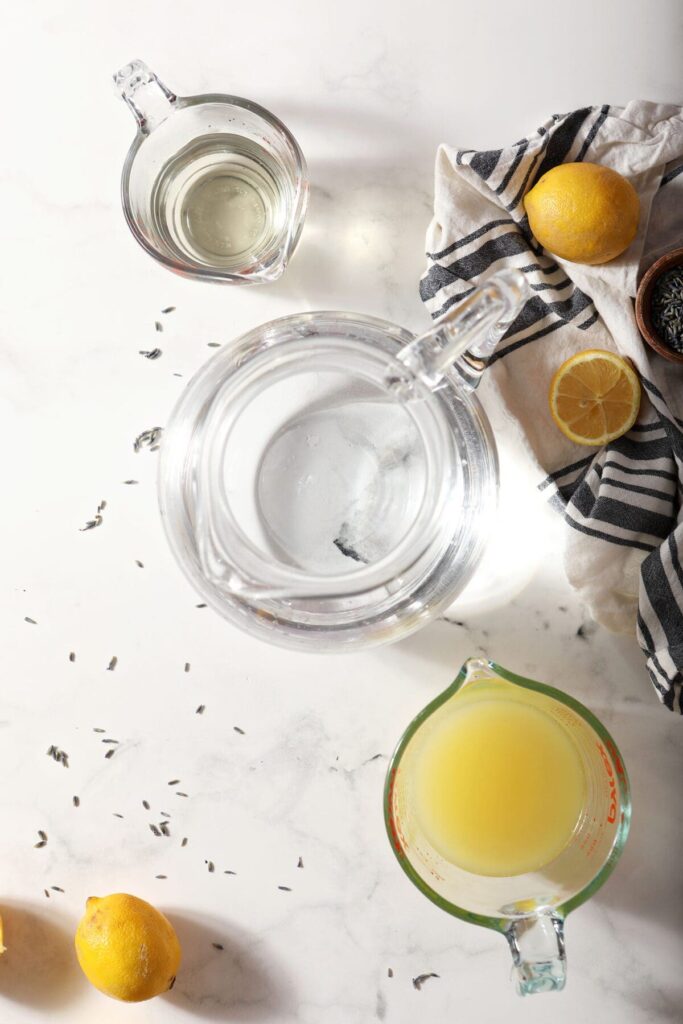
(499, 787)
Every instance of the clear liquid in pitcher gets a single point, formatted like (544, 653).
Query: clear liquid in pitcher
(340, 476)
(221, 201)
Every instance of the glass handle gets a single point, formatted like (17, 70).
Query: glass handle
(149, 100)
(468, 333)
(537, 946)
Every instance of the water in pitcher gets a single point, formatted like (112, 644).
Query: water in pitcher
(221, 201)
(339, 477)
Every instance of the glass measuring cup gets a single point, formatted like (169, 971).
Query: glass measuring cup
(213, 186)
(529, 909)
(329, 480)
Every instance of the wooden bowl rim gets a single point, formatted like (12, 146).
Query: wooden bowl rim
(643, 296)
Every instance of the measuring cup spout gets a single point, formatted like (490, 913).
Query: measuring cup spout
(468, 333)
(537, 947)
(149, 100)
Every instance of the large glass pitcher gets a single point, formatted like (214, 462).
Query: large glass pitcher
(328, 480)
(527, 904)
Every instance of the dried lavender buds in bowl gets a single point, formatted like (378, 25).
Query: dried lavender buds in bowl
(666, 307)
(659, 306)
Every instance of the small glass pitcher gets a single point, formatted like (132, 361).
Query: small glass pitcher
(328, 480)
(214, 186)
(529, 909)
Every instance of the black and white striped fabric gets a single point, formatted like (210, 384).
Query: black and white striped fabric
(624, 551)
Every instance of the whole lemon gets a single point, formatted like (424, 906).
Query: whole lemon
(127, 948)
(583, 212)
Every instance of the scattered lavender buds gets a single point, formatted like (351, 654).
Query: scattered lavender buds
(91, 523)
(60, 756)
(421, 978)
(147, 439)
(42, 840)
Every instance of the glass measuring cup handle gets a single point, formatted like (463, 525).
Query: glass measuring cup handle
(149, 100)
(537, 947)
(468, 333)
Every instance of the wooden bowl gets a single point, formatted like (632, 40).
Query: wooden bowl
(644, 298)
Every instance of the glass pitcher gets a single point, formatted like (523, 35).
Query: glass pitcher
(528, 909)
(328, 480)
(214, 186)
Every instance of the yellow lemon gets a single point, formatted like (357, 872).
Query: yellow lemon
(594, 397)
(582, 212)
(127, 948)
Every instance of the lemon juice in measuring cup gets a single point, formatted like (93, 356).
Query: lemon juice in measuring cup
(499, 786)
(507, 804)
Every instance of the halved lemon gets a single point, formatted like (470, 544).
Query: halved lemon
(594, 397)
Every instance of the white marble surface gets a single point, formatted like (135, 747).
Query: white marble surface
(369, 89)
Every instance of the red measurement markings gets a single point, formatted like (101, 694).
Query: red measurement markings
(612, 813)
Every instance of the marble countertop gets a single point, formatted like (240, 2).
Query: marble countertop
(281, 770)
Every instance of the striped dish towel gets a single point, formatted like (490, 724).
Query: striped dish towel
(624, 551)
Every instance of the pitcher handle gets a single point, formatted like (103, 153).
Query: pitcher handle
(468, 333)
(149, 100)
(537, 946)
